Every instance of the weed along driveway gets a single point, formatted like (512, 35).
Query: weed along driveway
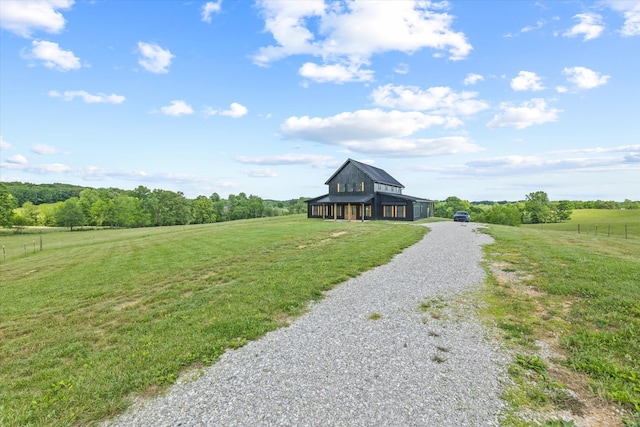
(399, 345)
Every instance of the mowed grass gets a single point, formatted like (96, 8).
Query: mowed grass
(601, 222)
(99, 317)
(580, 293)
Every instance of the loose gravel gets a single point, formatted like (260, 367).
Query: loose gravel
(400, 345)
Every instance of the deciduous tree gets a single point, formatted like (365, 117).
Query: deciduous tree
(69, 214)
(7, 204)
(537, 208)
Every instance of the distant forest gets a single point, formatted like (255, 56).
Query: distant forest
(73, 206)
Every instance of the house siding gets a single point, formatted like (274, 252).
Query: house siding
(349, 181)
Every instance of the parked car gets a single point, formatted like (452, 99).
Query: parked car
(462, 216)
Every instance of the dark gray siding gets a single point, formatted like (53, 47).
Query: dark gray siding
(350, 179)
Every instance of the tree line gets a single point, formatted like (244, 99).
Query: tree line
(64, 205)
(535, 209)
(74, 207)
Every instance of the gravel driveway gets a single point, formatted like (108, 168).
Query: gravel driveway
(426, 361)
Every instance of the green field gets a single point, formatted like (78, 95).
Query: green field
(579, 293)
(101, 316)
(601, 222)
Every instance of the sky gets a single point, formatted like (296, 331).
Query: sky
(482, 100)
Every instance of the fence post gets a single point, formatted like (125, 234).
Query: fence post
(609, 231)
(578, 228)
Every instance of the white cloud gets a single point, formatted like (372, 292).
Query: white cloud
(378, 132)
(177, 108)
(350, 33)
(440, 100)
(597, 150)
(26, 16)
(38, 169)
(590, 26)
(261, 173)
(538, 164)
(45, 150)
(235, 111)
(154, 58)
(414, 147)
(210, 8)
(337, 73)
(99, 98)
(539, 24)
(53, 56)
(534, 112)
(359, 125)
(584, 78)
(631, 12)
(401, 68)
(18, 159)
(4, 145)
(544, 164)
(472, 79)
(313, 160)
(526, 80)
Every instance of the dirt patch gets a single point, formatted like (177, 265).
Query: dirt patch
(127, 304)
(333, 235)
(582, 406)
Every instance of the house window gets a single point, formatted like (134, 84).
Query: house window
(338, 187)
(367, 210)
(395, 211)
(350, 187)
(362, 186)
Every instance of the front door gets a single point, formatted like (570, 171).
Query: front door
(353, 212)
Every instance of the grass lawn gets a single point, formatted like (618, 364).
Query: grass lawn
(580, 295)
(101, 316)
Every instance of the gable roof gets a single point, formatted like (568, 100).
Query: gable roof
(376, 174)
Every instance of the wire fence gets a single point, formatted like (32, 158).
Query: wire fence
(607, 230)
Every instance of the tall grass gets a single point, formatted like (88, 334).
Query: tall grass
(100, 316)
(583, 290)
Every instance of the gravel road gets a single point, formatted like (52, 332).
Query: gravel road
(338, 366)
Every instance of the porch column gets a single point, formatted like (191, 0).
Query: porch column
(349, 211)
(362, 212)
(335, 211)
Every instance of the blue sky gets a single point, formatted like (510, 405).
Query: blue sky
(484, 100)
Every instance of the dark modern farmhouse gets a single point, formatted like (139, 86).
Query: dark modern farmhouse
(358, 191)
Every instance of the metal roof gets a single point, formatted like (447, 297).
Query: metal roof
(346, 198)
(333, 198)
(376, 174)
